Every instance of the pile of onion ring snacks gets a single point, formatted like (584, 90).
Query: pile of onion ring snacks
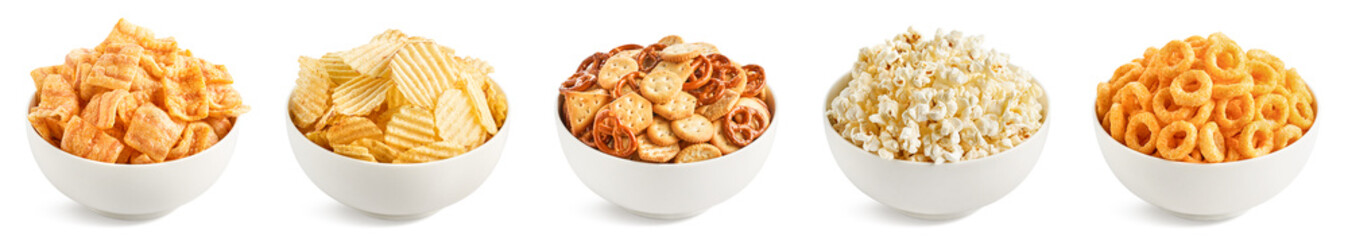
(1204, 100)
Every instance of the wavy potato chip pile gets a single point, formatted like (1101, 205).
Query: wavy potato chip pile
(397, 99)
(134, 99)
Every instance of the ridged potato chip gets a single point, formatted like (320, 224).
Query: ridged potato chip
(383, 152)
(319, 137)
(430, 152)
(496, 101)
(360, 96)
(336, 69)
(404, 99)
(372, 59)
(410, 126)
(472, 85)
(350, 129)
(353, 151)
(309, 100)
(455, 122)
(422, 71)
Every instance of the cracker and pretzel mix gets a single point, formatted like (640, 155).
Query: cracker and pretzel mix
(134, 99)
(1204, 100)
(667, 102)
(397, 99)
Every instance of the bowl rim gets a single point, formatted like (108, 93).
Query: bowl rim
(1099, 129)
(230, 135)
(843, 81)
(772, 127)
(291, 128)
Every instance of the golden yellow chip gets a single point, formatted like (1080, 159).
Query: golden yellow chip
(410, 126)
(382, 152)
(430, 152)
(337, 69)
(496, 100)
(353, 151)
(309, 100)
(386, 100)
(350, 129)
(318, 137)
(360, 96)
(455, 122)
(473, 84)
(372, 59)
(422, 71)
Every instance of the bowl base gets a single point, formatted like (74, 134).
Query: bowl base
(938, 217)
(405, 217)
(665, 216)
(132, 217)
(1205, 217)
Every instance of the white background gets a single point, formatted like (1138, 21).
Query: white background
(799, 194)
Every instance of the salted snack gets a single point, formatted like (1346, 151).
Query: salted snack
(397, 99)
(667, 102)
(134, 99)
(936, 99)
(1204, 100)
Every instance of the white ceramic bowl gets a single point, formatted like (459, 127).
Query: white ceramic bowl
(666, 191)
(131, 192)
(1216, 191)
(934, 191)
(396, 191)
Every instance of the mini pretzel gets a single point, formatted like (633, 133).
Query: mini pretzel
(711, 92)
(755, 80)
(586, 136)
(611, 137)
(649, 57)
(744, 124)
(630, 80)
(593, 63)
(702, 70)
(579, 82)
(718, 60)
(627, 47)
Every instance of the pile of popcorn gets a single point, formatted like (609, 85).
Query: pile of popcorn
(936, 99)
